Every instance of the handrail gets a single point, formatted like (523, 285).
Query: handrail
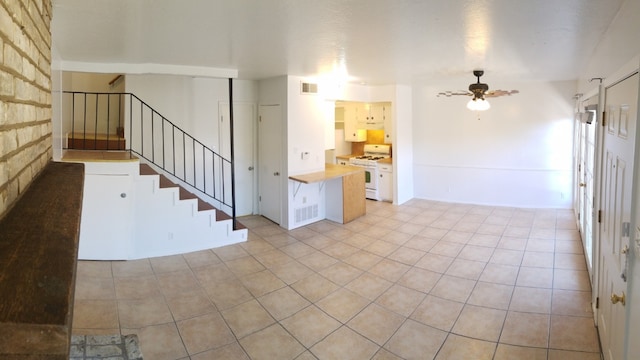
(123, 121)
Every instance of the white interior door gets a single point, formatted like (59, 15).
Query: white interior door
(617, 170)
(270, 160)
(243, 129)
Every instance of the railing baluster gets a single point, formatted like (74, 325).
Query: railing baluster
(108, 118)
(131, 121)
(73, 120)
(163, 159)
(193, 152)
(119, 120)
(142, 129)
(218, 163)
(173, 137)
(184, 158)
(204, 173)
(153, 146)
(84, 131)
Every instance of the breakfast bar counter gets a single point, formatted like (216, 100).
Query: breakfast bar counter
(345, 191)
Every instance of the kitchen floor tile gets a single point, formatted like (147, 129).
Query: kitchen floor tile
(376, 323)
(369, 286)
(525, 329)
(165, 334)
(490, 295)
(420, 279)
(400, 300)
(310, 325)
(425, 279)
(204, 333)
(459, 347)
(573, 333)
(345, 344)
(437, 312)
(533, 300)
(272, 343)
(453, 288)
(480, 323)
(247, 318)
(342, 304)
(314, 287)
(510, 352)
(416, 341)
(283, 303)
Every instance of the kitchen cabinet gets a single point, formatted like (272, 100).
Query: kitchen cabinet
(388, 124)
(385, 182)
(353, 131)
(371, 116)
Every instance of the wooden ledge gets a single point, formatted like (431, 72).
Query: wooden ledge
(38, 255)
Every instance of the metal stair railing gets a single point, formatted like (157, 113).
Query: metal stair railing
(122, 121)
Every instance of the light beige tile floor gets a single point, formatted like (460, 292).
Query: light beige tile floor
(425, 280)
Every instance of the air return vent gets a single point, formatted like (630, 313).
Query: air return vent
(309, 88)
(306, 213)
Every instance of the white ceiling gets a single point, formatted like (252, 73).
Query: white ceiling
(378, 41)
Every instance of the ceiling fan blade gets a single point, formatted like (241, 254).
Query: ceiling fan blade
(454, 93)
(496, 93)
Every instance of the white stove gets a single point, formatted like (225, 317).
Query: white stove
(369, 161)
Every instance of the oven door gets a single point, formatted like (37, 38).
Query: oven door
(371, 178)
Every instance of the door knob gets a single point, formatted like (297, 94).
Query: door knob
(583, 184)
(276, 174)
(617, 299)
(250, 168)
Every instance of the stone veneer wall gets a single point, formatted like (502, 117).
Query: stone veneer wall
(25, 95)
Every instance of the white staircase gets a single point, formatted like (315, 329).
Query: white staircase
(131, 214)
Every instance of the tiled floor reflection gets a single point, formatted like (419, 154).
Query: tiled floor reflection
(425, 280)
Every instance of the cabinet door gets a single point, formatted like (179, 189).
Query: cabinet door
(385, 183)
(352, 132)
(375, 116)
(388, 124)
(106, 227)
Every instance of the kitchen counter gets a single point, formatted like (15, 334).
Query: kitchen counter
(345, 198)
(331, 171)
(385, 161)
(346, 157)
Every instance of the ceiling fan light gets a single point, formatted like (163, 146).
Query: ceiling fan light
(478, 104)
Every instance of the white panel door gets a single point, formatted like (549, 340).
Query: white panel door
(270, 159)
(618, 149)
(243, 129)
(105, 227)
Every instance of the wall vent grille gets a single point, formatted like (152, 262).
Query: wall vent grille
(306, 213)
(309, 88)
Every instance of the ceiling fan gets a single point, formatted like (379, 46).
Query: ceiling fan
(479, 91)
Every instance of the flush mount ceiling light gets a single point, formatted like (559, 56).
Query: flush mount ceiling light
(479, 91)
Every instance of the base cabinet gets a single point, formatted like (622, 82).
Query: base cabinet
(385, 182)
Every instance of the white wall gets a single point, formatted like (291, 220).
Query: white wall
(402, 139)
(307, 117)
(518, 153)
(190, 102)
